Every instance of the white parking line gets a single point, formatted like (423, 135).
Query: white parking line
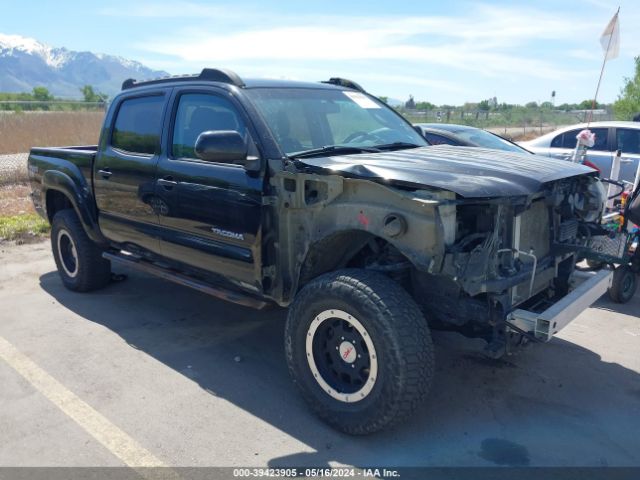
(99, 427)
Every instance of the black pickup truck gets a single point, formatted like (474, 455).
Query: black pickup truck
(321, 198)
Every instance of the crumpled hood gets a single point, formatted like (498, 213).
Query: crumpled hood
(468, 171)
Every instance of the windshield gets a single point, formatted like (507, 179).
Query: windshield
(487, 140)
(304, 119)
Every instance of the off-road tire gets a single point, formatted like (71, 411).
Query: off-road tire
(399, 333)
(90, 271)
(624, 284)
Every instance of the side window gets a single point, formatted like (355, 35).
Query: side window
(628, 140)
(601, 139)
(138, 125)
(435, 139)
(200, 112)
(568, 139)
(557, 141)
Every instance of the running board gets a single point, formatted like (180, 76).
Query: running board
(136, 263)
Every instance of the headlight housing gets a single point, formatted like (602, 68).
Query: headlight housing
(589, 200)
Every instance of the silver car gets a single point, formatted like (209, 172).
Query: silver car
(610, 137)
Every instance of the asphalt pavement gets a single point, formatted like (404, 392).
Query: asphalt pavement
(150, 372)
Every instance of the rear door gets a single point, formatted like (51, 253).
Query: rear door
(628, 142)
(210, 212)
(125, 170)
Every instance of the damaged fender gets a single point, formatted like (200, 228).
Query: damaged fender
(325, 219)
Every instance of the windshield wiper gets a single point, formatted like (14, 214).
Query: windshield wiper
(397, 146)
(333, 150)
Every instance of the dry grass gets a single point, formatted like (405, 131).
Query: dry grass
(14, 200)
(21, 131)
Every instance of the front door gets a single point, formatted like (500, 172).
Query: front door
(210, 212)
(125, 171)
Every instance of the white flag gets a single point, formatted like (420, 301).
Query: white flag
(610, 39)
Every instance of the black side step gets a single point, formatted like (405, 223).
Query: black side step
(218, 292)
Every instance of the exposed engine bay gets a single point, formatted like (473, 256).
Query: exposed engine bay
(508, 253)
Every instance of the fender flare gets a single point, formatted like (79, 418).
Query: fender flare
(80, 198)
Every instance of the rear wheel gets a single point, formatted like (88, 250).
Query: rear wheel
(359, 349)
(78, 258)
(624, 284)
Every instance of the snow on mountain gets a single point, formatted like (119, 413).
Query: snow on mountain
(26, 63)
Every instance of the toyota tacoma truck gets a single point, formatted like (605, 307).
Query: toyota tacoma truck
(320, 198)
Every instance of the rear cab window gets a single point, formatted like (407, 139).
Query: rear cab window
(138, 125)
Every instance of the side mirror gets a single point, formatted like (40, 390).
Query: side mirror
(224, 146)
(419, 130)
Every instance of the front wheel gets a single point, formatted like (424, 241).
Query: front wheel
(359, 349)
(78, 258)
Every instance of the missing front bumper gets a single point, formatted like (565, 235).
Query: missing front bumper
(546, 324)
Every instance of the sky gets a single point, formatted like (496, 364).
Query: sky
(444, 52)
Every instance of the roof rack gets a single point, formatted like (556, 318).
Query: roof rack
(343, 82)
(208, 74)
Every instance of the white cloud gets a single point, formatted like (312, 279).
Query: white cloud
(169, 10)
(361, 42)
(506, 45)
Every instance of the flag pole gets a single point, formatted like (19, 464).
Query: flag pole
(604, 62)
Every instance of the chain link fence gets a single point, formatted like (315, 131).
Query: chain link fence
(517, 124)
(13, 168)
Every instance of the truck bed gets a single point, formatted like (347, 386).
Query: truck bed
(70, 150)
(74, 162)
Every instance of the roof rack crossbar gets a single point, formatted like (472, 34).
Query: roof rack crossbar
(343, 82)
(208, 74)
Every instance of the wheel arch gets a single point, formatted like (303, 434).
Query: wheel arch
(335, 251)
(61, 192)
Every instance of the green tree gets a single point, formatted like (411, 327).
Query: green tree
(532, 105)
(586, 105)
(425, 106)
(384, 99)
(484, 105)
(41, 94)
(628, 103)
(90, 95)
(567, 106)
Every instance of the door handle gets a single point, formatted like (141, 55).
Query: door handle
(105, 172)
(167, 182)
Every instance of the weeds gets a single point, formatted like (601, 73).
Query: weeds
(22, 228)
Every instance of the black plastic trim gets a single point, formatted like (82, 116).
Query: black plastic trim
(220, 75)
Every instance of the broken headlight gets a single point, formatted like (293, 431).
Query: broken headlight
(589, 200)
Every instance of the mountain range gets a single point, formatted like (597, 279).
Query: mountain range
(26, 63)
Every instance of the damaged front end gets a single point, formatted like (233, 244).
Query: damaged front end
(511, 254)
(475, 243)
